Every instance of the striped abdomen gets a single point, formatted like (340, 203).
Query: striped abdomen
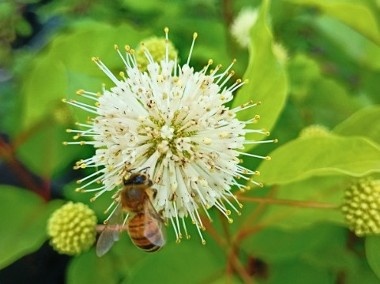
(145, 232)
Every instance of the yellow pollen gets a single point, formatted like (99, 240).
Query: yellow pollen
(116, 47)
(80, 92)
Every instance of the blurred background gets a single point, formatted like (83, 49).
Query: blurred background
(315, 67)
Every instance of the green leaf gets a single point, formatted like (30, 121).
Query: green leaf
(89, 268)
(24, 219)
(364, 20)
(293, 243)
(43, 88)
(267, 79)
(372, 248)
(365, 122)
(192, 263)
(66, 66)
(319, 156)
(44, 152)
(352, 43)
(317, 190)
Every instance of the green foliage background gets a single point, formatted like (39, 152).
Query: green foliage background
(290, 231)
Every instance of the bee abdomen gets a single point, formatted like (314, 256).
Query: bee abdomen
(145, 232)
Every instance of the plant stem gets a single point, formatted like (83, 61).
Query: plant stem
(8, 154)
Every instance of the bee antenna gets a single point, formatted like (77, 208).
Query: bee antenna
(145, 169)
(142, 170)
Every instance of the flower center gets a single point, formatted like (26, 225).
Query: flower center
(166, 132)
(174, 136)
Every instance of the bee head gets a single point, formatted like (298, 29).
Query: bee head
(138, 178)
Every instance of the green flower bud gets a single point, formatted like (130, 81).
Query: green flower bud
(157, 49)
(72, 228)
(314, 130)
(361, 207)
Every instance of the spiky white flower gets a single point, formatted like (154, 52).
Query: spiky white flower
(172, 121)
(242, 25)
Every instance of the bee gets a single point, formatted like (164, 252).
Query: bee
(145, 226)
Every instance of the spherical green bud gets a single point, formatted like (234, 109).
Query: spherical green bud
(314, 130)
(361, 207)
(72, 228)
(157, 49)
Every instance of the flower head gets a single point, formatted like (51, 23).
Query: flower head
(172, 121)
(72, 228)
(361, 207)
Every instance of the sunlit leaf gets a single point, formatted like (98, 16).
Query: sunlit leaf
(24, 217)
(266, 75)
(354, 44)
(66, 66)
(303, 158)
(365, 122)
(364, 20)
(43, 88)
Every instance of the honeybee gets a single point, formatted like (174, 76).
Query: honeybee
(145, 224)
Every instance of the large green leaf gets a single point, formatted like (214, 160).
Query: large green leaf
(293, 243)
(307, 157)
(24, 219)
(43, 87)
(66, 66)
(355, 14)
(267, 79)
(187, 262)
(372, 248)
(365, 122)
(304, 203)
(89, 268)
(44, 153)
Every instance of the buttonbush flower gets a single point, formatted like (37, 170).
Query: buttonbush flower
(361, 207)
(172, 121)
(72, 228)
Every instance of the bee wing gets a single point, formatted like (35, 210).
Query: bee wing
(151, 216)
(110, 233)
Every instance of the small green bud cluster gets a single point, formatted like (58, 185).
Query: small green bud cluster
(361, 207)
(72, 228)
(157, 49)
(314, 130)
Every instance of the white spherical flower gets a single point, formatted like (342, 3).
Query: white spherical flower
(242, 24)
(172, 121)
